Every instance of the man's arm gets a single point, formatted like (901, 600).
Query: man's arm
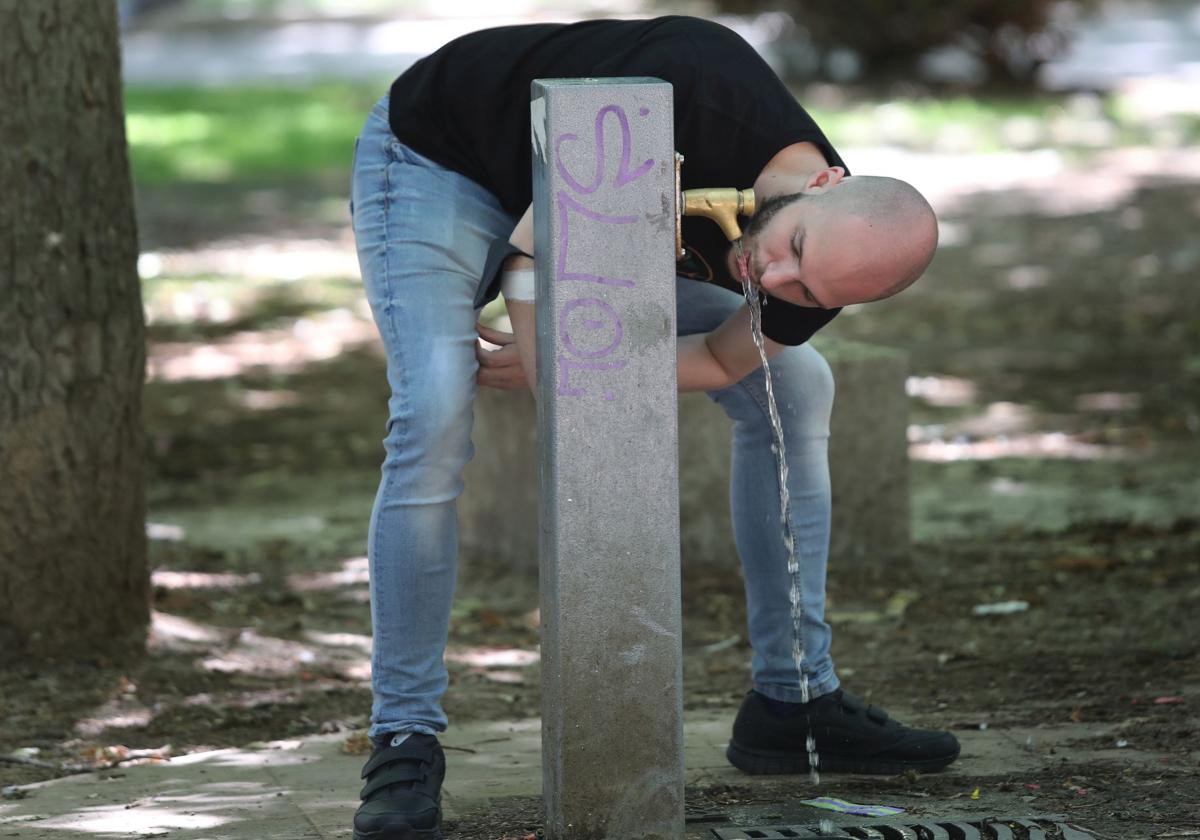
(520, 312)
(706, 361)
(513, 365)
(714, 360)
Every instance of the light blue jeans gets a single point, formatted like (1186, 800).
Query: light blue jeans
(422, 233)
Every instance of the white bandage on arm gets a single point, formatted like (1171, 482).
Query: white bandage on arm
(517, 284)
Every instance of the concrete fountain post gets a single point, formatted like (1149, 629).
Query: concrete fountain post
(612, 710)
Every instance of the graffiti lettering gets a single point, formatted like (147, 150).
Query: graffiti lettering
(590, 329)
(624, 176)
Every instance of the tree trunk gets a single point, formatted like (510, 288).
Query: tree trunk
(73, 575)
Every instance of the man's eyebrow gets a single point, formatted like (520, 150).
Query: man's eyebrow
(798, 250)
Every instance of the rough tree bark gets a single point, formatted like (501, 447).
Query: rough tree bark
(73, 575)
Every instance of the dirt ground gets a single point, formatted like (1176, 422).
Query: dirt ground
(1059, 366)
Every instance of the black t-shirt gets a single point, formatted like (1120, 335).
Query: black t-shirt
(466, 106)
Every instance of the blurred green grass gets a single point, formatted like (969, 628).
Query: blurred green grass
(271, 134)
(219, 135)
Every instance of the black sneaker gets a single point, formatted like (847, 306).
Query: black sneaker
(402, 799)
(851, 737)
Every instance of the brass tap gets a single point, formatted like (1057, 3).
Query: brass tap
(721, 204)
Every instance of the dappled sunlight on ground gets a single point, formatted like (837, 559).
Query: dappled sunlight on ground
(254, 259)
(146, 819)
(353, 572)
(179, 803)
(259, 400)
(201, 580)
(115, 714)
(320, 337)
(165, 532)
(316, 655)
(254, 653)
(942, 391)
(342, 654)
(170, 632)
(490, 657)
(1002, 430)
(266, 674)
(358, 641)
(1047, 445)
(271, 755)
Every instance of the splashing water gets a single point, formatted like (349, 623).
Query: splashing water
(754, 301)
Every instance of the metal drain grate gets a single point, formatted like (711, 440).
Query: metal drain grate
(1036, 828)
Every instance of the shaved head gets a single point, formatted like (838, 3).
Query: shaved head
(875, 236)
(903, 225)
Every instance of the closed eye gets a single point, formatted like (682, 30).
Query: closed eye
(798, 250)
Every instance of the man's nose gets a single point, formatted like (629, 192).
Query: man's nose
(774, 274)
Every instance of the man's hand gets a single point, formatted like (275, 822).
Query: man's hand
(499, 368)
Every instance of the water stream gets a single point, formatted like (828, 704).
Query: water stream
(754, 301)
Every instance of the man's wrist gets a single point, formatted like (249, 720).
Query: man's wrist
(518, 284)
(517, 261)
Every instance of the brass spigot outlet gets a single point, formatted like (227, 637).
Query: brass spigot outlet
(721, 204)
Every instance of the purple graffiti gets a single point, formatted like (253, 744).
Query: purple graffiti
(599, 321)
(565, 204)
(624, 176)
(614, 321)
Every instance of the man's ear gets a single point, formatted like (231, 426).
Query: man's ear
(824, 179)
